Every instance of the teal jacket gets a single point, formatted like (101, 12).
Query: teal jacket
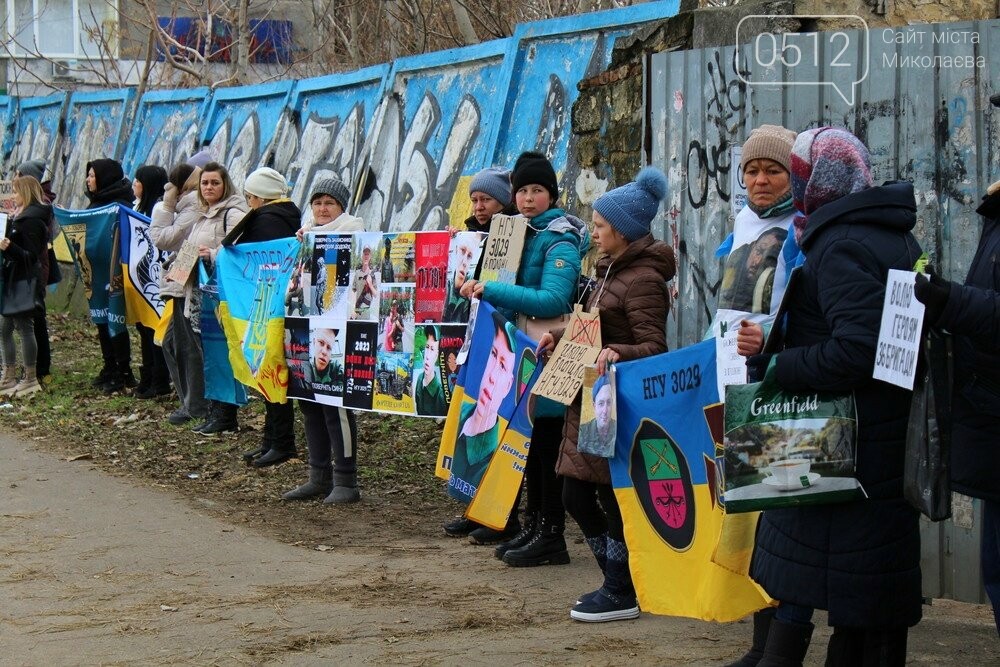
(547, 279)
(550, 268)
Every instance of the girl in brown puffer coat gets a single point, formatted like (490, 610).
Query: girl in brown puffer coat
(632, 297)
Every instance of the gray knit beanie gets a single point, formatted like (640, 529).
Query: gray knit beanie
(333, 187)
(34, 168)
(492, 181)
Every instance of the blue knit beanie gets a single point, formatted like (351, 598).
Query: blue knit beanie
(631, 208)
(492, 181)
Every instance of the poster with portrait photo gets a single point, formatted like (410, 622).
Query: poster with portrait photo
(598, 415)
(395, 317)
(452, 339)
(464, 253)
(398, 260)
(432, 275)
(750, 268)
(325, 373)
(430, 382)
(297, 356)
(331, 274)
(297, 301)
(359, 364)
(365, 276)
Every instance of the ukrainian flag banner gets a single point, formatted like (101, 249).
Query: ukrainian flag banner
(663, 473)
(90, 235)
(253, 279)
(140, 267)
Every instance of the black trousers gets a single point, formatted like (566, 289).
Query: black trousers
(543, 486)
(594, 507)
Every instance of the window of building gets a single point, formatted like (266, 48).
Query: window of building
(60, 28)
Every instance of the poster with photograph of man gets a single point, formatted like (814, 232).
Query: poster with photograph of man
(366, 252)
(396, 319)
(598, 414)
(398, 259)
(325, 372)
(297, 357)
(464, 255)
(430, 393)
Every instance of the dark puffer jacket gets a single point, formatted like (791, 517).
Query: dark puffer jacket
(29, 238)
(859, 560)
(277, 220)
(633, 300)
(972, 314)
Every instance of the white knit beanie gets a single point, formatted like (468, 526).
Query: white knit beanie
(266, 183)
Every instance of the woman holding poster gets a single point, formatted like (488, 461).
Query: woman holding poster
(859, 560)
(546, 287)
(331, 432)
(632, 295)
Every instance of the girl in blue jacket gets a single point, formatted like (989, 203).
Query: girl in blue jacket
(546, 287)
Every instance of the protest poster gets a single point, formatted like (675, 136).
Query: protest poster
(598, 415)
(297, 357)
(899, 332)
(89, 234)
(488, 400)
(398, 261)
(737, 186)
(328, 292)
(183, 263)
(324, 370)
(731, 366)
(431, 389)
(359, 364)
(464, 253)
(396, 318)
(8, 204)
(365, 278)
(578, 348)
(431, 254)
(502, 255)
(661, 473)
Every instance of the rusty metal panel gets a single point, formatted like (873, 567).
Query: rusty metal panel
(921, 105)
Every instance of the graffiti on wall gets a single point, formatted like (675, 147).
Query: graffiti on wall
(174, 133)
(93, 131)
(414, 187)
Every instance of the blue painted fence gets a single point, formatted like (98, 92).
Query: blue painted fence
(420, 126)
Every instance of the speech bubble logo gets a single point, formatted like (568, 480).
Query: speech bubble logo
(805, 58)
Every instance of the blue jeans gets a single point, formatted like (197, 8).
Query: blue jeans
(990, 555)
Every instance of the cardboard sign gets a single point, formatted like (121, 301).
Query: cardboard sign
(899, 334)
(502, 256)
(579, 347)
(180, 268)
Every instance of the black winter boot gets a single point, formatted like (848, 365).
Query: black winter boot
(345, 489)
(615, 600)
(320, 484)
(119, 382)
(282, 420)
(523, 537)
(221, 419)
(761, 627)
(786, 645)
(460, 527)
(873, 647)
(546, 547)
(265, 444)
(484, 535)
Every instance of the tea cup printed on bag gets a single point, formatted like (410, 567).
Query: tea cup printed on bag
(789, 472)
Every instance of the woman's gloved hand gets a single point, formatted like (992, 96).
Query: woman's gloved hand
(932, 293)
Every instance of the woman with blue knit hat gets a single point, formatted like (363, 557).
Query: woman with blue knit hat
(633, 299)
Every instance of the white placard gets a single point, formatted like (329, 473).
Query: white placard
(899, 334)
(730, 366)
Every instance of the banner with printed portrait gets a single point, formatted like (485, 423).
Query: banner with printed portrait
(90, 235)
(665, 480)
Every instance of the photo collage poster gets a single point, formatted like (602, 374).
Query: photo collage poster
(375, 321)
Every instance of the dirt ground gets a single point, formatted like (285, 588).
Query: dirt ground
(125, 541)
(99, 570)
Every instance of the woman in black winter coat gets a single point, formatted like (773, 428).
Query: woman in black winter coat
(106, 184)
(272, 216)
(23, 246)
(971, 312)
(858, 560)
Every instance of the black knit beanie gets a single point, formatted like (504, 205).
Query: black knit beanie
(534, 168)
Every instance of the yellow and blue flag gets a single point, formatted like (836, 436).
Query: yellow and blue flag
(663, 473)
(140, 269)
(253, 279)
(90, 235)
